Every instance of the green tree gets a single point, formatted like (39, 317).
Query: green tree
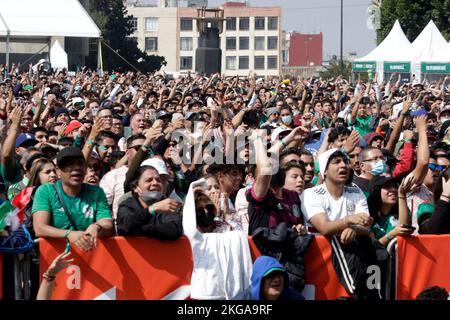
(413, 16)
(333, 70)
(116, 25)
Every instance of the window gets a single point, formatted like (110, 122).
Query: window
(259, 43)
(244, 43)
(244, 63)
(151, 44)
(231, 43)
(244, 23)
(133, 22)
(272, 23)
(272, 62)
(260, 23)
(186, 63)
(272, 43)
(259, 62)
(151, 24)
(186, 24)
(186, 44)
(231, 23)
(231, 63)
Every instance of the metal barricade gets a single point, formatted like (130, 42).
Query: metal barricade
(391, 270)
(22, 275)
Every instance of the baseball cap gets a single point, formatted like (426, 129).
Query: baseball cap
(158, 164)
(273, 270)
(419, 112)
(323, 160)
(73, 125)
(67, 153)
(27, 138)
(271, 111)
(60, 111)
(163, 114)
(380, 180)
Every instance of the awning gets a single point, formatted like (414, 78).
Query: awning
(46, 18)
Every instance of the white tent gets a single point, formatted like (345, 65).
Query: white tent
(393, 54)
(429, 45)
(58, 57)
(395, 47)
(46, 18)
(31, 19)
(431, 52)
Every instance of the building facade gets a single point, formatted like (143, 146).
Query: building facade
(250, 41)
(301, 54)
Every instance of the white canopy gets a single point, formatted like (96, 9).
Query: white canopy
(58, 57)
(395, 47)
(46, 18)
(430, 45)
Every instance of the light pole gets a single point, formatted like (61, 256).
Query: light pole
(341, 62)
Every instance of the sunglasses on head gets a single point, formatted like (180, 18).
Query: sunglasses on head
(433, 167)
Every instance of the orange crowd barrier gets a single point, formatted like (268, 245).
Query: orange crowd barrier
(321, 281)
(122, 269)
(422, 262)
(141, 268)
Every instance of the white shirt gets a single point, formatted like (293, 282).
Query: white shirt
(318, 200)
(112, 184)
(222, 261)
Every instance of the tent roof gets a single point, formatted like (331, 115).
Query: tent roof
(395, 47)
(430, 45)
(45, 18)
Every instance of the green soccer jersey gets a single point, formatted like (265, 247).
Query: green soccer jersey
(384, 225)
(362, 125)
(90, 200)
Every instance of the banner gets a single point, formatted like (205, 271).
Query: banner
(321, 281)
(122, 269)
(435, 67)
(397, 67)
(422, 262)
(364, 66)
(147, 269)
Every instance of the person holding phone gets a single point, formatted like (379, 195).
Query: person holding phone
(388, 208)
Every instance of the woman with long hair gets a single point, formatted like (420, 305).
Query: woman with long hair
(387, 206)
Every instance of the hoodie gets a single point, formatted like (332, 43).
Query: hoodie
(262, 265)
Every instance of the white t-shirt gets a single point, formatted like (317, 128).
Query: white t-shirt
(317, 200)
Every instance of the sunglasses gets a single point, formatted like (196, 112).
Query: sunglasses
(433, 167)
(136, 147)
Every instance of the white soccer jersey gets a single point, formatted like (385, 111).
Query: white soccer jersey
(318, 200)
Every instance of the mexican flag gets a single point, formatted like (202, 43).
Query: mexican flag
(9, 216)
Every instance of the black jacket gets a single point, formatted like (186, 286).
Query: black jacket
(288, 247)
(354, 262)
(134, 220)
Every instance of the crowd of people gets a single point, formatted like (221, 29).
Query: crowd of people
(91, 155)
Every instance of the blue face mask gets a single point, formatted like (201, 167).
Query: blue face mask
(378, 167)
(287, 120)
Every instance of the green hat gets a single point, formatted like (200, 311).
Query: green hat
(272, 270)
(28, 87)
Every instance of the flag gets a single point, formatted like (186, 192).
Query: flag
(6, 210)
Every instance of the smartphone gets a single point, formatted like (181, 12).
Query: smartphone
(408, 226)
